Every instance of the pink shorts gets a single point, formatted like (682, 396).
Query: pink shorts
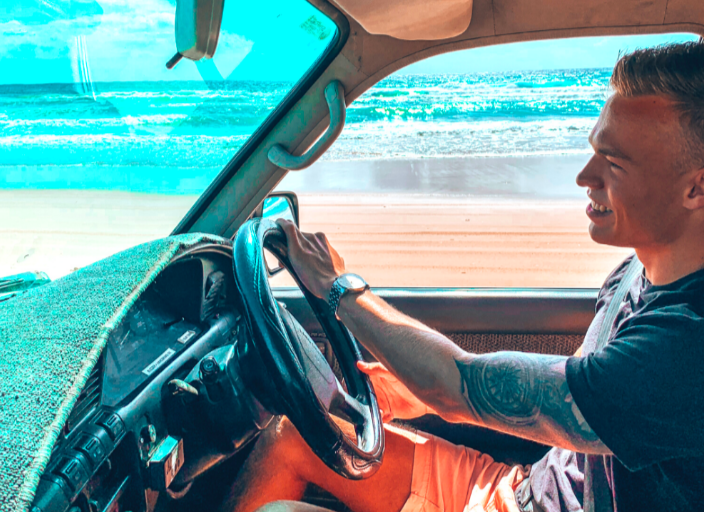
(452, 478)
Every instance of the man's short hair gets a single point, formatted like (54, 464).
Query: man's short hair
(675, 71)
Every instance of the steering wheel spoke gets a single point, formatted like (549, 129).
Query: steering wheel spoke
(316, 369)
(349, 408)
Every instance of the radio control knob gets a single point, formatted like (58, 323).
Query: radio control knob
(148, 434)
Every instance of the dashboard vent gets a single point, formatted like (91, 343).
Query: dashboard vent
(88, 399)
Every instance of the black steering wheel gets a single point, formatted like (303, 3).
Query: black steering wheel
(288, 374)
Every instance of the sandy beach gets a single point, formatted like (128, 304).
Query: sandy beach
(57, 231)
(390, 239)
(449, 242)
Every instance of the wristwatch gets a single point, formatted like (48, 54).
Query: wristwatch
(346, 283)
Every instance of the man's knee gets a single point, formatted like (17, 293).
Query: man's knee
(289, 506)
(276, 506)
(282, 441)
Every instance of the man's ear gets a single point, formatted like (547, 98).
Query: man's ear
(694, 194)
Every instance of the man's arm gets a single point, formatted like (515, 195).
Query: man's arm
(521, 394)
(525, 395)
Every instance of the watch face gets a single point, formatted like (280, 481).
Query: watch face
(352, 282)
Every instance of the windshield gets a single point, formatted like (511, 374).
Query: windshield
(101, 146)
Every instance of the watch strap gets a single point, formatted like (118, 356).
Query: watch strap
(338, 291)
(334, 298)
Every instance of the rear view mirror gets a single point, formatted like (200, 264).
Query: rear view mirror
(197, 29)
(279, 205)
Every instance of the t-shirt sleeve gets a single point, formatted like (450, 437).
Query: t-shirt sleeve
(643, 394)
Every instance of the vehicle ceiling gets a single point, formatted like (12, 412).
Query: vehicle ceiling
(367, 58)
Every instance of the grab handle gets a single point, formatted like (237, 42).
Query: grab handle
(335, 96)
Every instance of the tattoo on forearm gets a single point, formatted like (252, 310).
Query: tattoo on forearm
(525, 394)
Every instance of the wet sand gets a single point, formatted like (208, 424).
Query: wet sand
(390, 239)
(518, 177)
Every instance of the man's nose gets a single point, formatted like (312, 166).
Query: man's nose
(591, 175)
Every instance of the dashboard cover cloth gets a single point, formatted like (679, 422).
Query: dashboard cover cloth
(50, 339)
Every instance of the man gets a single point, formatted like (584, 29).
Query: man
(634, 409)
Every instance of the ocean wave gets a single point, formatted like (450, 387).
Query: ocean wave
(372, 140)
(470, 102)
(108, 138)
(404, 116)
(166, 122)
(355, 154)
(196, 151)
(427, 98)
(108, 122)
(416, 139)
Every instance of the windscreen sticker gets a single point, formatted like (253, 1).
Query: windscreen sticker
(154, 366)
(186, 337)
(315, 27)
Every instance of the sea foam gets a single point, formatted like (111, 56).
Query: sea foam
(192, 125)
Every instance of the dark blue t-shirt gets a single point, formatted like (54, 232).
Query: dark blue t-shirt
(643, 395)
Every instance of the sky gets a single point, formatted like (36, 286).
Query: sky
(581, 52)
(53, 41)
(50, 41)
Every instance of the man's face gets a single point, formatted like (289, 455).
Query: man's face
(635, 173)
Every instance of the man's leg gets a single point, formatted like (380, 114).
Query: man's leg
(290, 506)
(281, 466)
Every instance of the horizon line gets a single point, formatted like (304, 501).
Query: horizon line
(287, 81)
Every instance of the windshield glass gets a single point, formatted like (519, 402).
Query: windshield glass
(101, 146)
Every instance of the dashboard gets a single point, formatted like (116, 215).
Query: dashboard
(150, 337)
(168, 317)
(165, 401)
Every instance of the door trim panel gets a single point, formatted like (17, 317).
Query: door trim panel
(477, 310)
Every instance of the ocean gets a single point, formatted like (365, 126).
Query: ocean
(174, 137)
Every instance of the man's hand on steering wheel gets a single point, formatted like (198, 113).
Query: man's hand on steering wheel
(396, 401)
(318, 264)
(314, 260)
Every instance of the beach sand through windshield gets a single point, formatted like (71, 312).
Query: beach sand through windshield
(403, 240)
(392, 239)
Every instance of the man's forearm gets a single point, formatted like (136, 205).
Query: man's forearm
(414, 353)
(521, 394)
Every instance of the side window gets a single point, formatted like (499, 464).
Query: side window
(459, 171)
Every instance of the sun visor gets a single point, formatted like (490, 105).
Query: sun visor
(411, 19)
